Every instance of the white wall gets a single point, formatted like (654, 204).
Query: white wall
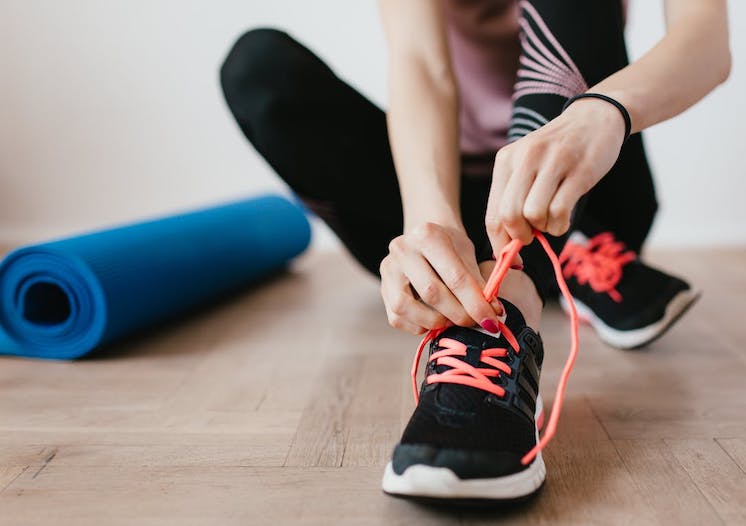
(111, 110)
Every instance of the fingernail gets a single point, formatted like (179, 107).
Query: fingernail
(489, 326)
(516, 267)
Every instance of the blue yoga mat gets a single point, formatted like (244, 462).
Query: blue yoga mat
(62, 299)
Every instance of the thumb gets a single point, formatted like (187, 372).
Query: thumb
(499, 239)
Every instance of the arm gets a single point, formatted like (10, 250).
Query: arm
(423, 111)
(434, 256)
(689, 62)
(538, 180)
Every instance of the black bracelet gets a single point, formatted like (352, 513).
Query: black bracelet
(616, 103)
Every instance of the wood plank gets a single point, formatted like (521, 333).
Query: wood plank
(375, 410)
(716, 475)
(221, 495)
(23, 454)
(664, 485)
(8, 474)
(587, 483)
(230, 454)
(736, 450)
(324, 427)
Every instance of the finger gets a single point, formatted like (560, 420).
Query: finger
(500, 175)
(495, 232)
(487, 268)
(402, 309)
(461, 283)
(465, 250)
(431, 289)
(511, 206)
(536, 206)
(470, 262)
(406, 313)
(405, 326)
(563, 202)
(500, 239)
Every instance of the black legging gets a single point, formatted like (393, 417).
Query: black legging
(330, 144)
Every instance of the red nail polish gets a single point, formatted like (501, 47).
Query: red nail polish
(489, 326)
(516, 267)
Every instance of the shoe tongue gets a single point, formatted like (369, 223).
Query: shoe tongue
(590, 228)
(514, 319)
(481, 339)
(462, 397)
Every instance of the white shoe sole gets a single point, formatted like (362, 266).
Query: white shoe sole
(428, 482)
(634, 338)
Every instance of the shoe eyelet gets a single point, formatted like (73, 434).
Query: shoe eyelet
(493, 399)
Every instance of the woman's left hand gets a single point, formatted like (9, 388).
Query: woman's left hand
(538, 180)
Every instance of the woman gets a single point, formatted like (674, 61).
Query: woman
(484, 141)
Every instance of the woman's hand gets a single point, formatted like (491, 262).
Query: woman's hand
(437, 265)
(538, 180)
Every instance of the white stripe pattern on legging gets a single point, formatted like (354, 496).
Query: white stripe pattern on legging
(544, 68)
(524, 121)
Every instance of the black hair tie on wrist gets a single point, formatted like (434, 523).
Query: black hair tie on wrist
(615, 103)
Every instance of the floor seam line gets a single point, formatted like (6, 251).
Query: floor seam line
(694, 483)
(717, 441)
(6, 486)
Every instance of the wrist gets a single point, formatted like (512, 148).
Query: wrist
(445, 217)
(601, 115)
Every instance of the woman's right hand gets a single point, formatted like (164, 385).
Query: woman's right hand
(431, 277)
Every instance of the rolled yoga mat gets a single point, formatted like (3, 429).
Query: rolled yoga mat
(62, 299)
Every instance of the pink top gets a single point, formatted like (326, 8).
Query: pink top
(484, 45)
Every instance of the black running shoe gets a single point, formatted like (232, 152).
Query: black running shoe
(479, 413)
(627, 302)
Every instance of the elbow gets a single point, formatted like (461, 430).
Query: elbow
(723, 61)
(725, 65)
(439, 75)
(433, 74)
(446, 84)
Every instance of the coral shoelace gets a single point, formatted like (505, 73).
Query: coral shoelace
(479, 377)
(598, 263)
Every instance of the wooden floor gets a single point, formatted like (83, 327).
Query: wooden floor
(282, 407)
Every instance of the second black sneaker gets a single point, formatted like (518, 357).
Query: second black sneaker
(478, 415)
(627, 302)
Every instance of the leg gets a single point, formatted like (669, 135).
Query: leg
(329, 144)
(323, 138)
(631, 216)
(624, 201)
(566, 47)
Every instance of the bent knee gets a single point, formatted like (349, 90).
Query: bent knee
(263, 59)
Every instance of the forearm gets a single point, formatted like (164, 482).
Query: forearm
(423, 130)
(688, 63)
(423, 111)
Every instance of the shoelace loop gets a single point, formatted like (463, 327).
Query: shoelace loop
(479, 377)
(463, 373)
(598, 263)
